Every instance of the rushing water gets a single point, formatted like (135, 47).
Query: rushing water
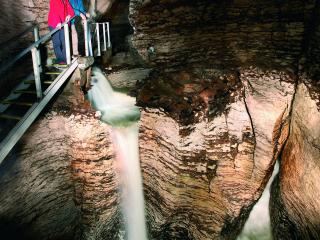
(119, 111)
(258, 224)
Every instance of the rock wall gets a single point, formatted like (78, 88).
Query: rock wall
(202, 179)
(296, 200)
(59, 182)
(295, 196)
(211, 129)
(220, 33)
(36, 188)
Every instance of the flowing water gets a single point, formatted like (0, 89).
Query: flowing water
(119, 111)
(258, 227)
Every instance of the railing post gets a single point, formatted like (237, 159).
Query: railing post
(36, 71)
(108, 30)
(36, 38)
(90, 44)
(98, 39)
(86, 36)
(104, 37)
(67, 43)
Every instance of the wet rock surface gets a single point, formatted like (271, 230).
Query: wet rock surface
(215, 168)
(234, 86)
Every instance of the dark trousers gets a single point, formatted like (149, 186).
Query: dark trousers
(59, 45)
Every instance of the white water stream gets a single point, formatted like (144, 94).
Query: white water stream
(119, 111)
(258, 224)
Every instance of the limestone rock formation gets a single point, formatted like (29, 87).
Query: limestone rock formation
(296, 201)
(59, 182)
(213, 170)
(209, 171)
(219, 33)
(223, 101)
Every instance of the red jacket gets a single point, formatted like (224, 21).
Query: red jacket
(58, 11)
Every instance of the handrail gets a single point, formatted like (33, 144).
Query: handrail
(34, 45)
(96, 33)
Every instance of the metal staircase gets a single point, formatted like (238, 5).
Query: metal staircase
(31, 112)
(26, 101)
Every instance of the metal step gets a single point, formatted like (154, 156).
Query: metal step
(53, 73)
(59, 65)
(47, 82)
(10, 117)
(25, 91)
(15, 102)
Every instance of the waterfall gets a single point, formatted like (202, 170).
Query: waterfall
(119, 111)
(258, 224)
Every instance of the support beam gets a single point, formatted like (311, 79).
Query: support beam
(86, 37)
(36, 38)
(98, 39)
(108, 31)
(67, 42)
(104, 37)
(36, 71)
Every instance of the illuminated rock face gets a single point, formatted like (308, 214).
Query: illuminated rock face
(176, 37)
(211, 130)
(295, 200)
(201, 179)
(98, 7)
(59, 182)
(296, 192)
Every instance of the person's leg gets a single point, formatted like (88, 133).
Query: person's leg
(74, 35)
(63, 45)
(57, 45)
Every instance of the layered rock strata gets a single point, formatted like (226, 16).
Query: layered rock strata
(60, 182)
(202, 179)
(209, 138)
(296, 196)
(295, 200)
(172, 34)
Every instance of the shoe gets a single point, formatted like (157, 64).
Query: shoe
(54, 61)
(58, 61)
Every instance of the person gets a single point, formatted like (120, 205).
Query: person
(60, 11)
(79, 10)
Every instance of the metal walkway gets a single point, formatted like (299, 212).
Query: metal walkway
(24, 123)
(26, 101)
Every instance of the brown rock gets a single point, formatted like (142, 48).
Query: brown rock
(296, 204)
(59, 182)
(218, 170)
(206, 94)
